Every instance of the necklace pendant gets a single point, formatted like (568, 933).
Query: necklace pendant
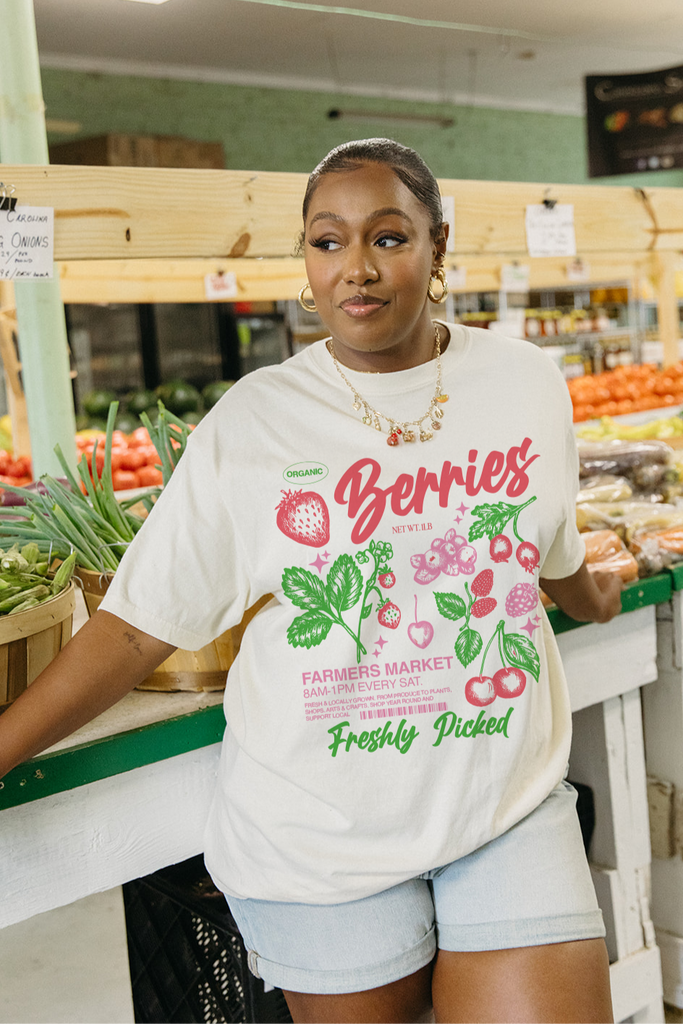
(438, 413)
(356, 405)
(367, 420)
(441, 398)
(392, 439)
(435, 425)
(408, 436)
(426, 435)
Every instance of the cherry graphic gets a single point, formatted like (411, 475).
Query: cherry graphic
(500, 548)
(420, 633)
(528, 556)
(509, 682)
(480, 691)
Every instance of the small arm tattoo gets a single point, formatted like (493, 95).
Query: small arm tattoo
(133, 641)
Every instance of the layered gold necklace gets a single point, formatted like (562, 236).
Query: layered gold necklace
(405, 430)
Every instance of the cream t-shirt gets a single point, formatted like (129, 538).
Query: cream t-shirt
(361, 749)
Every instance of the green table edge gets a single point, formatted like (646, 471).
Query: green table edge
(639, 594)
(49, 774)
(52, 773)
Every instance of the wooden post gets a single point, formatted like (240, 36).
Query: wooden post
(667, 304)
(40, 313)
(16, 399)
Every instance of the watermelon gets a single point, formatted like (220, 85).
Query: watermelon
(140, 401)
(96, 403)
(215, 390)
(179, 397)
(192, 417)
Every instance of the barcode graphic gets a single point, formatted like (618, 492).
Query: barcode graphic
(410, 709)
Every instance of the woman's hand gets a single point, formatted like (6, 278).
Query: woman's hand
(106, 658)
(585, 596)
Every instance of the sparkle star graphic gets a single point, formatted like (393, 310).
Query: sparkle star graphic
(376, 653)
(381, 642)
(530, 627)
(458, 519)
(462, 509)
(319, 563)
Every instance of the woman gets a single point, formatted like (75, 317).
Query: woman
(391, 826)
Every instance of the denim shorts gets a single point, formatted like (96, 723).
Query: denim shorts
(528, 887)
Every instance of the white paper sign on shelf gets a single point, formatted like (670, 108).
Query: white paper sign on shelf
(221, 286)
(456, 278)
(27, 243)
(448, 207)
(514, 277)
(550, 229)
(512, 326)
(578, 271)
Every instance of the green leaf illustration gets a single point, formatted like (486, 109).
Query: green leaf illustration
(494, 518)
(344, 583)
(366, 611)
(521, 653)
(304, 589)
(309, 629)
(468, 645)
(450, 606)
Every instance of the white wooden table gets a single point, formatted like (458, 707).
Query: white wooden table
(129, 808)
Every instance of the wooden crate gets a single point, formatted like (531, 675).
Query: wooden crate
(202, 670)
(122, 150)
(30, 640)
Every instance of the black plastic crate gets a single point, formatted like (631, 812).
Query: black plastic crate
(187, 959)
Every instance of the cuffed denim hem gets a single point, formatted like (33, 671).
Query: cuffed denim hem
(530, 931)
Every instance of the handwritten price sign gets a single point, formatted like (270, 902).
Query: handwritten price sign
(27, 236)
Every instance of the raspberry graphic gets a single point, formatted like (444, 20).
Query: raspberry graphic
(482, 584)
(522, 598)
(484, 606)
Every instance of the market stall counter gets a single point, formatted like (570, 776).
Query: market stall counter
(129, 793)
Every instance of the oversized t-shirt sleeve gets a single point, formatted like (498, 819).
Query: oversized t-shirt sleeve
(184, 578)
(567, 552)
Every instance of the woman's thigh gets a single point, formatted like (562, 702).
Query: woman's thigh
(557, 982)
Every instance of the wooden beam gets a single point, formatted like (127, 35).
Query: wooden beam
(145, 212)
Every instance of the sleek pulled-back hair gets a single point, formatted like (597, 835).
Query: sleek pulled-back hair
(406, 164)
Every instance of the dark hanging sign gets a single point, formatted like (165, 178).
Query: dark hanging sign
(634, 122)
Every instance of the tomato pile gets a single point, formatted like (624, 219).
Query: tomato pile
(16, 472)
(133, 458)
(626, 389)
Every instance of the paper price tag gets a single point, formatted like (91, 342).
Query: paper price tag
(27, 243)
(550, 230)
(578, 271)
(221, 286)
(456, 279)
(448, 207)
(514, 277)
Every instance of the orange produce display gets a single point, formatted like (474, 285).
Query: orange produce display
(626, 389)
(133, 458)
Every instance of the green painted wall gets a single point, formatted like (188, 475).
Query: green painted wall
(288, 130)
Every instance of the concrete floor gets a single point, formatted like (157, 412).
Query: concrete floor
(68, 966)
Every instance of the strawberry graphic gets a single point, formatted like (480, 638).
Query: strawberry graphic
(389, 615)
(303, 516)
(483, 583)
(484, 606)
(387, 579)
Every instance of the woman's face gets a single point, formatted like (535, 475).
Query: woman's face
(369, 255)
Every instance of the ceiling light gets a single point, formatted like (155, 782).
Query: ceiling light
(377, 115)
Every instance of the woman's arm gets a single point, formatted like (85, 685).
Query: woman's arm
(106, 658)
(585, 596)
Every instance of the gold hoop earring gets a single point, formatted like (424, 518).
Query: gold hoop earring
(312, 308)
(439, 276)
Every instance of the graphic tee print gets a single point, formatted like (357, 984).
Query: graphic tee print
(400, 701)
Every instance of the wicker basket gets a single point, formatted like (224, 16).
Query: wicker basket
(205, 669)
(30, 640)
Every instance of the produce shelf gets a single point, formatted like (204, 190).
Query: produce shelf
(61, 770)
